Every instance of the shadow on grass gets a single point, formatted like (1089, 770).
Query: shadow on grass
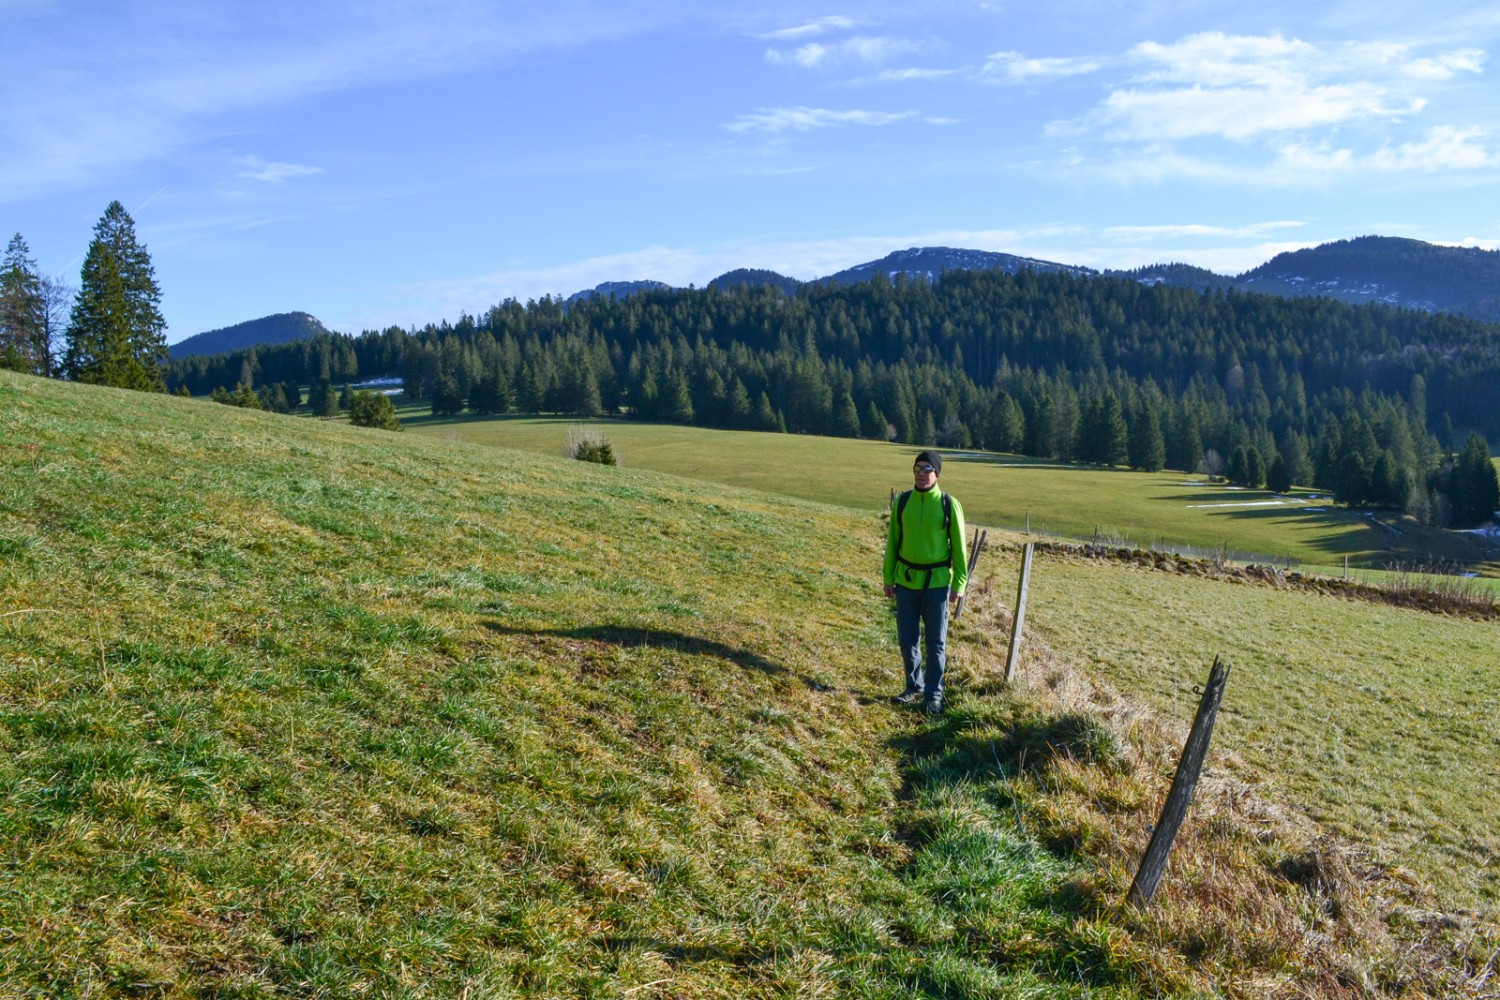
(632, 637)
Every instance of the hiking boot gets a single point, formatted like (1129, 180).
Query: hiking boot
(934, 706)
(907, 698)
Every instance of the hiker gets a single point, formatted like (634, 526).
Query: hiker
(926, 568)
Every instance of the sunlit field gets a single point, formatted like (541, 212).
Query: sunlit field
(1167, 508)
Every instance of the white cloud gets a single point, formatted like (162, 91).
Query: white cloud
(1213, 59)
(272, 172)
(1012, 67)
(1253, 230)
(811, 29)
(1447, 65)
(803, 119)
(1233, 112)
(902, 75)
(1442, 149)
(1297, 113)
(862, 49)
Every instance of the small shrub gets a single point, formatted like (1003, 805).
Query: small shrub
(589, 445)
(373, 409)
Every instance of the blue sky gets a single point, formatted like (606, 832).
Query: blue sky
(380, 163)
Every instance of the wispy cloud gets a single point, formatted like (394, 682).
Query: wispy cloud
(1295, 112)
(811, 29)
(913, 73)
(1255, 230)
(272, 172)
(866, 50)
(1013, 67)
(803, 119)
(1442, 149)
(70, 112)
(1233, 112)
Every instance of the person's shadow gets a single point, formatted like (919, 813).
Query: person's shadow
(635, 637)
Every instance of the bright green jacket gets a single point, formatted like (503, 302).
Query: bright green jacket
(923, 541)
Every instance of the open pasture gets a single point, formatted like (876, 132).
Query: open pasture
(1382, 723)
(1169, 508)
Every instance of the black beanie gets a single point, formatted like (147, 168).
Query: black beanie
(933, 459)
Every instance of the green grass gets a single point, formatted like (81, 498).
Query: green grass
(1383, 723)
(289, 708)
(294, 709)
(1166, 508)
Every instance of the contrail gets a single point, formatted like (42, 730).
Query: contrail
(149, 200)
(142, 205)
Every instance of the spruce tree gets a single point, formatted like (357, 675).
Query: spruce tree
(1278, 476)
(322, 400)
(1476, 492)
(116, 334)
(23, 313)
(1148, 448)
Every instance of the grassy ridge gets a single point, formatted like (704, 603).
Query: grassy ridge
(1166, 507)
(289, 708)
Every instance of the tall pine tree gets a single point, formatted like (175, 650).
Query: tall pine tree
(23, 313)
(116, 335)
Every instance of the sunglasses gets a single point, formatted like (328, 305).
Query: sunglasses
(923, 470)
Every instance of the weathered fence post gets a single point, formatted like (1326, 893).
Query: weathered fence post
(1154, 861)
(974, 550)
(1013, 657)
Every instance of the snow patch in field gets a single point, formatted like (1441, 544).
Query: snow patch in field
(1247, 503)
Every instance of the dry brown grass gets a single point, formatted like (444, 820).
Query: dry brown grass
(1258, 902)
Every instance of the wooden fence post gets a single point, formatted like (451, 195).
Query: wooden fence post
(974, 550)
(1154, 861)
(1013, 657)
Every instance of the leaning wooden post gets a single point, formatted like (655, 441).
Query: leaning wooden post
(1013, 657)
(1154, 861)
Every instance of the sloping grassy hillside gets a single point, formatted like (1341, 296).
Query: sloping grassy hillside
(294, 709)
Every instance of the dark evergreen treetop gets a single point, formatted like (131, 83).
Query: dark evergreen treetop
(116, 334)
(24, 343)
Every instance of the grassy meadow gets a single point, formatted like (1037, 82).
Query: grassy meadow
(1383, 723)
(1169, 508)
(291, 708)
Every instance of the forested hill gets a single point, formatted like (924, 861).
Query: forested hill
(278, 329)
(1095, 369)
(1388, 270)
(1464, 280)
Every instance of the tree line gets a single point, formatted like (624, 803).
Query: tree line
(1368, 402)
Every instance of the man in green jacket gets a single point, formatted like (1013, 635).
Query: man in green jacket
(926, 568)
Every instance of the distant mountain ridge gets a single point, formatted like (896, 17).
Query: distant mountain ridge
(620, 289)
(278, 329)
(1395, 271)
(1400, 272)
(1405, 273)
(931, 262)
